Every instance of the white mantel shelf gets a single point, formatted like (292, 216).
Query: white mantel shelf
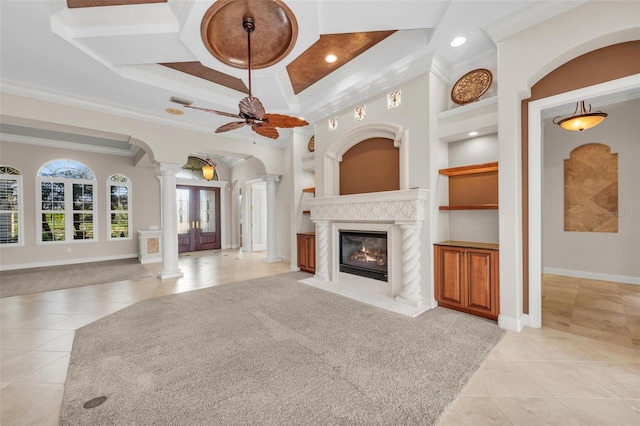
(388, 206)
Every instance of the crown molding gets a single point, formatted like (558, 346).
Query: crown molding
(45, 95)
(532, 15)
(69, 145)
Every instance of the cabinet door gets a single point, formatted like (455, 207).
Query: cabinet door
(303, 252)
(311, 253)
(449, 276)
(480, 281)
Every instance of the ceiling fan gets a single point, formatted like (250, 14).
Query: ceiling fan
(251, 112)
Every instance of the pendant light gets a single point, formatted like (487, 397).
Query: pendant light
(584, 120)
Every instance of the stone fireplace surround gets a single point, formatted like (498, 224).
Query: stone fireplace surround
(398, 213)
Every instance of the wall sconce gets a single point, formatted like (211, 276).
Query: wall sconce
(208, 169)
(584, 120)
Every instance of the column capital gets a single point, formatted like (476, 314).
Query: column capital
(270, 178)
(169, 169)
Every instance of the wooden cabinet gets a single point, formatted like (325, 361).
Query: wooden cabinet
(307, 252)
(473, 187)
(466, 277)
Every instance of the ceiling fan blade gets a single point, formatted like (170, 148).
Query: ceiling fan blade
(264, 129)
(230, 126)
(284, 121)
(226, 114)
(251, 107)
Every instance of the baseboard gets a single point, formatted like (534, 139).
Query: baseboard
(593, 275)
(513, 324)
(66, 262)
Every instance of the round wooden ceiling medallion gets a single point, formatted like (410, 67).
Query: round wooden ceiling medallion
(273, 38)
(471, 86)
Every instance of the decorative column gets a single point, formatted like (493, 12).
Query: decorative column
(410, 293)
(322, 250)
(272, 246)
(170, 267)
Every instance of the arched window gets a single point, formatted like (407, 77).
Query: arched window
(119, 207)
(11, 224)
(66, 202)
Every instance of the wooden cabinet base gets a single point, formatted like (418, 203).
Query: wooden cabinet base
(307, 252)
(466, 279)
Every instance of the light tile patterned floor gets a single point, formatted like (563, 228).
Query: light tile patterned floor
(536, 377)
(601, 310)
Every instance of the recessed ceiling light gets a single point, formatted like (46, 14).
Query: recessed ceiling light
(474, 133)
(331, 58)
(174, 111)
(458, 41)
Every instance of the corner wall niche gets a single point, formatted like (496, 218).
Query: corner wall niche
(591, 189)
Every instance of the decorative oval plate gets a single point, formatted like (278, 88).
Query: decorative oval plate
(312, 144)
(471, 86)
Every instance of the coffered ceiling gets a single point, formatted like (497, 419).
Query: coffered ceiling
(132, 56)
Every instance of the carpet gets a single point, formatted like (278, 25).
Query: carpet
(271, 351)
(38, 280)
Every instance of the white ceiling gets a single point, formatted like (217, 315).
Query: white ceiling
(106, 57)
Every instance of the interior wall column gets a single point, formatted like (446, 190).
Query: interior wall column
(170, 267)
(272, 246)
(322, 250)
(410, 293)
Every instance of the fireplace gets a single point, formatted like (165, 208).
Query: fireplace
(364, 253)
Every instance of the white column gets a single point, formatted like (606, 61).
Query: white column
(410, 293)
(272, 246)
(322, 250)
(170, 267)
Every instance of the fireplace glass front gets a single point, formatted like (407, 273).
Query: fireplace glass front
(364, 253)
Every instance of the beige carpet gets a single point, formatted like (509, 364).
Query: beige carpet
(271, 351)
(38, 280)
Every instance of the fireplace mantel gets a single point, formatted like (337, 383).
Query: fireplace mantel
(400, 214)
(403, 206)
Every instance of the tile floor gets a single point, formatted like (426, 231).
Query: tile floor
(601, 310)
(537, 377)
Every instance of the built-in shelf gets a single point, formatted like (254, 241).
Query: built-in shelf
(471, 207)
(469, 170)
(472, 187)
(308, 191)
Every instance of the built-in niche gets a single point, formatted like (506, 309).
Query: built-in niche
(591, 189)
(372, 165)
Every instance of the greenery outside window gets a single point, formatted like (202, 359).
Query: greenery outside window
(66, 202)
(11, 224)
(119, 202)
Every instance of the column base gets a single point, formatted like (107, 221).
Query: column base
(415, 303)
(170, 274)
(272, 259)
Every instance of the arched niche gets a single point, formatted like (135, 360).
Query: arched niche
(335, 151)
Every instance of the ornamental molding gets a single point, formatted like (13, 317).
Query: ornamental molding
(392, 206)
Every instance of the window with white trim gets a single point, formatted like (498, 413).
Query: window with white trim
(119, 205)
(65, 192)
(11, 225)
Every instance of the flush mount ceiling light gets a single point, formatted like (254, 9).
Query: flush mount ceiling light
(331, 58)
(474, 133)
(584, 120)
(458, 41)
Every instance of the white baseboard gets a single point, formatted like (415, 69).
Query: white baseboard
(513, 324)
(593, 275)
(65, 262)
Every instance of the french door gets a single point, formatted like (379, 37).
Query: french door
(198, 218)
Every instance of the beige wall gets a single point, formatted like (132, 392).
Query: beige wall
(589, 253)
(145, 197)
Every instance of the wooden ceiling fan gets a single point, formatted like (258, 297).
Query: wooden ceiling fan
(251, 112)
